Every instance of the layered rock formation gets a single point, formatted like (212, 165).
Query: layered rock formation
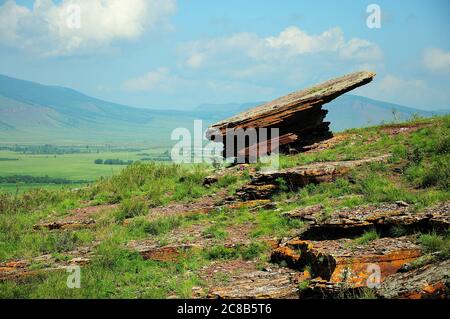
(339, 261)
(341, 267)
(24, 268)
(298, 116)
(428, 281)
(386, 219)
(264, 184)
(258, 285)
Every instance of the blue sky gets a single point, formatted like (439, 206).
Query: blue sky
(182, 53)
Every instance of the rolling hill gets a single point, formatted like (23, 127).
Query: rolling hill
(32, 112)
(352, 111)
(35, 113)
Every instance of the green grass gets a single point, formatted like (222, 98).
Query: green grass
(272, 223)
(70, 166)
(131, 188)
(117, 272)
(373, 141)
(366, 238)
(215, 231)
(78, 166)
(21, 188)
(162, 226)
(436, 243)
(131, 208)
(252, 251)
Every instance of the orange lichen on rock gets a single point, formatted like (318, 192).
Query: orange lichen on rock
(429, 281)
(337, 261)
(251, 204)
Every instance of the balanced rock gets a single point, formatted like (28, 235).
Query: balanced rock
(298, 116)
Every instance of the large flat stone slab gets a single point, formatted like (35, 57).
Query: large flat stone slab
(298, 116)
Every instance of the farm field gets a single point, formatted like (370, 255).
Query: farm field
(71, 167)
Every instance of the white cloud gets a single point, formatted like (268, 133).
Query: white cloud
(406, 91)
(360, 50)
(295, 41)
(160, 80)
(392, 84)
(437, 60)
(200, 53)
(290, 43)
(44, 29)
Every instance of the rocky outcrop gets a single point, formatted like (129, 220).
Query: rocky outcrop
(327, 144)
(22, 269)
(265, 184)
(387, 219)
(428, 281)
(299, 115)
(310, 214)
(342, 267)
(168, 253)
(341, 261)
(247, 279)
(252, 205)
(256, 192)
(77, 219)
(72, 224)
(258, 285)
(196, 236)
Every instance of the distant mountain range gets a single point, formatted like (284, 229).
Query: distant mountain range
(35, 113)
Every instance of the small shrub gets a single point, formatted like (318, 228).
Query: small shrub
(59, 242)
(221, 252)
(162, 225)
(398, 231)
(438, 174)
(227, 180)
(434, 242)
(367, 237)
(303, 285)
(215, 231)
(130, 208)
(282, 184)
(253, 251)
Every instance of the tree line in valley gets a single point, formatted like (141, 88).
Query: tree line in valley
(27, 179)
(116, 161)
(48, 149)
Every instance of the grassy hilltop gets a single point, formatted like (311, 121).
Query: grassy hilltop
(142, 201)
